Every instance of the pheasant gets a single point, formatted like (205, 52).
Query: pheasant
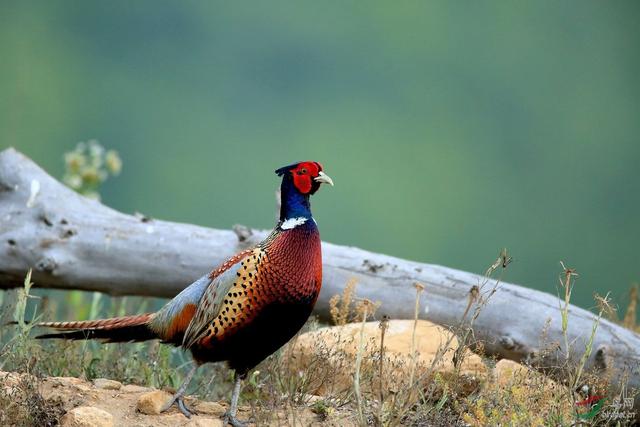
(245, 309)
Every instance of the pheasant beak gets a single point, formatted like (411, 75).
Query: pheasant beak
(323, 178)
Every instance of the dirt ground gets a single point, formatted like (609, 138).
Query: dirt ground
(109, 403)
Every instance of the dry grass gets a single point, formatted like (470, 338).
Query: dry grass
(21, 403)
(382, 390)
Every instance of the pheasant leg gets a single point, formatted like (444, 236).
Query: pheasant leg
(178, 397)
(230, 415)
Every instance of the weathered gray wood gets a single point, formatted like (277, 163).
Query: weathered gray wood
(76, 243)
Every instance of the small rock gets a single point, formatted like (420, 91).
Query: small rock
(243, 410)
(73, 382)
(312, 398)
(205, 422)
(338, 346)
(87, 416)
(506, 370)
(106, 384)
(175, 419)
(10, 385)
(133, 388)
(65, 381)
(209, 408)
(151, 403)
(507, 373)
(13, 379)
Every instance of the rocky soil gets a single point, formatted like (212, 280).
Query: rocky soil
(106, 403)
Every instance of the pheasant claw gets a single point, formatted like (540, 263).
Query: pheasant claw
(179, 400)
(183, 408)
(230, 419)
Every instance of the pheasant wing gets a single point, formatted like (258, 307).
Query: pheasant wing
(173, 319)
(225, 303)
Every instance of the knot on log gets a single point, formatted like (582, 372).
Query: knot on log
(142, 217)
(243, 232)
(600, 360)
(535, 358)
(371, 266)
(69, 232)
(46, 264)
(42, 216)
(4, 187)
(507, 342)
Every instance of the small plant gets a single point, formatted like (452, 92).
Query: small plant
(630, 315)
(358, 363)
(88, 166)
(340, 305)
(20, 352)
(520, 397)
(419, 289)
(323, 409)
(566, 282)
(21, 403)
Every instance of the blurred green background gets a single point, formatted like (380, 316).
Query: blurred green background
(451, 129)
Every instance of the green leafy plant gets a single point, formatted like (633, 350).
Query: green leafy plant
(88, 166)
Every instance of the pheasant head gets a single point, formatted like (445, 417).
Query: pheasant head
(299, 181)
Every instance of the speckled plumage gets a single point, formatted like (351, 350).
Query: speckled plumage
(259, 302)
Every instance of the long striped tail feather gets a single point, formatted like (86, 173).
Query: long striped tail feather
(117, 329)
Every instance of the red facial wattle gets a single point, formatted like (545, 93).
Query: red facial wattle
(303, 175)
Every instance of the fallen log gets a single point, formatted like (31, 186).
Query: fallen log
(73, 242)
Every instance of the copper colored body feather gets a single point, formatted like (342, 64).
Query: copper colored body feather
(274, 290)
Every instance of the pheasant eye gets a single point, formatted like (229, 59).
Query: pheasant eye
(302, 171)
